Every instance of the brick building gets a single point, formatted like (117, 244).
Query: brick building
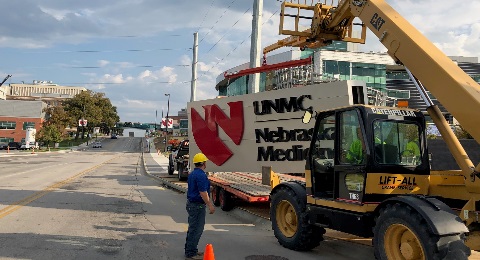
(16, 116)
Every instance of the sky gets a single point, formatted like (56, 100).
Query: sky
(136, 51)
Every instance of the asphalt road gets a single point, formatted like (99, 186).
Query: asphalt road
(99, 204)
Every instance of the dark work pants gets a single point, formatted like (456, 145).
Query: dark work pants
(196, 223)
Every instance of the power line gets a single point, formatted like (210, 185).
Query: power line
(227, 32)
(203, 20)
(214, 66)
(104, 51)
(137, 66)
(228, 8)
(100, 67)
(138, 36)
(119, 83)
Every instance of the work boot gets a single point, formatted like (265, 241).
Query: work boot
(197, 257)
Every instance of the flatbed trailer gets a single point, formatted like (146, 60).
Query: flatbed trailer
(246, 186)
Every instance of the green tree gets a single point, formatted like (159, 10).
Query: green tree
(49, 133)
(461, 133)
(95, 108)
(57, 116)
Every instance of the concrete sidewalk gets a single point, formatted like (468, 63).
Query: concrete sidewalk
(156, 165)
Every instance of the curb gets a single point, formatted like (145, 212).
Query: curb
(162, 180)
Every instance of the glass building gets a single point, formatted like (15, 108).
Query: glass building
(338, 62)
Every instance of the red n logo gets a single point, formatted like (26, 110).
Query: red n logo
(205, 132)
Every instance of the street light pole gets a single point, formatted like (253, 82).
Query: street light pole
(166, 121)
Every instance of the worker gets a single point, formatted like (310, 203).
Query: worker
(412, 149)
(355, 153)
(198, 195)
(411, 154)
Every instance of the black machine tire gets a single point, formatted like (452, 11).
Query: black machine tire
(225, 200)
(180, 172)
(290, 223)
(171, 168)
(409, 237)
(216, 195)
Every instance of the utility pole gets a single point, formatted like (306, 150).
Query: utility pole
(255, 48)
(166, 122)
(194, 68)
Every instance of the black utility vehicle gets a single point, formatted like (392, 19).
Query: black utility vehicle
(14, 145)
(178, 160)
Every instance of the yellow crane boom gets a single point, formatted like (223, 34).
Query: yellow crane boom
(455, 90)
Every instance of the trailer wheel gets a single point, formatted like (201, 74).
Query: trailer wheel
(180, 172)
(226, 200)
(290, 223)
(402, 233)
(171, 167)
(216, 195)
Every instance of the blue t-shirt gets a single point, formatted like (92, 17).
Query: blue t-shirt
(197, 182)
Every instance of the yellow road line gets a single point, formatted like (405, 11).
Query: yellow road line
(17, 205)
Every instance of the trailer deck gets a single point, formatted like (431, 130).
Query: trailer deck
(246, 185)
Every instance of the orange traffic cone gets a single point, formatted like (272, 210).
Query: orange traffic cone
(208, 255)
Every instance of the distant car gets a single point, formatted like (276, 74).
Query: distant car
(14, 145)
(97, 145)
(3, 146)
(114, 137)
(31, 146)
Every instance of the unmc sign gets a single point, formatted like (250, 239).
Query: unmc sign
(205, 132)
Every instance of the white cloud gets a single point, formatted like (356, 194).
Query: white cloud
(121, 41)
(103, 63)
(145, 74)
(107, 78)
(57, 14)
(165, 74)
(169, 73)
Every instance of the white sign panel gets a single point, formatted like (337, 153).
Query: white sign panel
(170, 123)
(244, 133)
(82, 122)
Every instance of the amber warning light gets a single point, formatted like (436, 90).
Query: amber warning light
(402, 103)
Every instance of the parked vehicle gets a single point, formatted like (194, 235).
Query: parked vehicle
(97, 145)
(178, 160)
(30, 138)
(3, 146)
(32, 145)
(114, 136)
(14, 145)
